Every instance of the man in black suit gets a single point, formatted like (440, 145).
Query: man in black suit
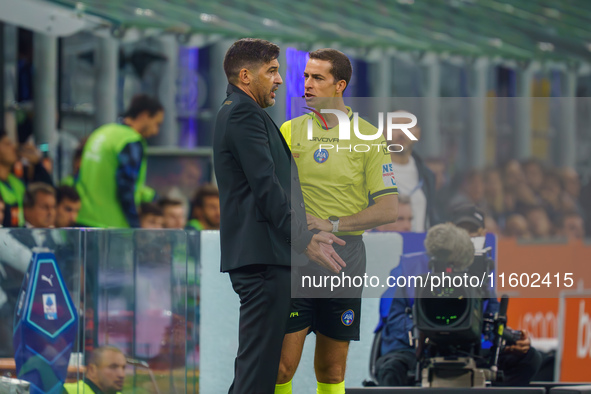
(262, 216)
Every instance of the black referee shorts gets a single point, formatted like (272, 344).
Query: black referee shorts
(337, 317)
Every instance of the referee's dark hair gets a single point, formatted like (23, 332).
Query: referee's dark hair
(141, 103)
(248, 53)
(341, 68)
(66, 193)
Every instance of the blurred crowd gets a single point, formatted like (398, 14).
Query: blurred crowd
(522, 199)
(526, 200)
(112, 187)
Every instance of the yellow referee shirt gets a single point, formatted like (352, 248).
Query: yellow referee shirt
(338, 182)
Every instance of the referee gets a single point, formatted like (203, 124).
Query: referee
(336, 185)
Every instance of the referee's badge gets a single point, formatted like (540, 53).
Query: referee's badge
(347, 317)
(321, 156)
(388, 175)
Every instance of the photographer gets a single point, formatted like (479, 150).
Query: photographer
(449, 245)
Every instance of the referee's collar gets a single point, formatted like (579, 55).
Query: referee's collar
(321, 124)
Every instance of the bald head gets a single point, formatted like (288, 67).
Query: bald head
(106, 369)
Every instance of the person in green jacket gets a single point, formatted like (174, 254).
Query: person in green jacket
(105, 373)
(12, 189)
(112, 174)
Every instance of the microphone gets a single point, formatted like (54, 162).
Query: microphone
(501, 321)
(503, 306)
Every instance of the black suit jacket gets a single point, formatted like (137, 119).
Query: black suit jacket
(262, 215)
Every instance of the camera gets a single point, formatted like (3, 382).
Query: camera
(451, 317)
(511, 336)
(457, 345)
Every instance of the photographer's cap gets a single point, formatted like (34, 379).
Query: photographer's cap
(468, 213)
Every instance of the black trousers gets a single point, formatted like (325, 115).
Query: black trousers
(265, 295)
(392, 369)
(519, 369)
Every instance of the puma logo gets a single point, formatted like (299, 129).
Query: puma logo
(48, 280)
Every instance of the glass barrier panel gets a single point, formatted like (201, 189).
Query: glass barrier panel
(42, 306)
(134, 290)
(141, 299)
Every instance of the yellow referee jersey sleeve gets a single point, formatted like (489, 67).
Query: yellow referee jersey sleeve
(286, 131)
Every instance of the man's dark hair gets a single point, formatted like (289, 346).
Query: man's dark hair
(207, 190)
(33, 190)
(340, 69)
(3, 133)
(150, 208)
(248, 53)
(168, 202)
(66, 193)
(141, 103)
